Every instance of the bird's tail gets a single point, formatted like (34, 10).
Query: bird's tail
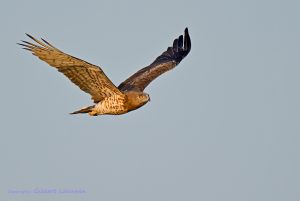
(84, 110)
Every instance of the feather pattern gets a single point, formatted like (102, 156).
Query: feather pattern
(86, 76)
(165, 62)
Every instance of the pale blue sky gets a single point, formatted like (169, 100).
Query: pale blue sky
(224, 125)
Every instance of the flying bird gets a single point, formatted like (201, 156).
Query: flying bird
(108, 98)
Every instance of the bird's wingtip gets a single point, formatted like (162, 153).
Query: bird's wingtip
(30, 36)
(186, 30)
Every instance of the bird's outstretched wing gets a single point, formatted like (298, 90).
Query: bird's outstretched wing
(86, 76)
(166, 61)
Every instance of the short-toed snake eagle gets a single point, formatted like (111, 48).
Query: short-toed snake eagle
(108, 98)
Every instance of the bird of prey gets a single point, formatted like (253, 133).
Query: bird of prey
(108, 98)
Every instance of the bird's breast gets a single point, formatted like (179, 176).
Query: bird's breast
(111, 105)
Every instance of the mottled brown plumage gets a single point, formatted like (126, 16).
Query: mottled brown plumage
(108, 98)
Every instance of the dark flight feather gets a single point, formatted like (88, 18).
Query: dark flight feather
(165, 62)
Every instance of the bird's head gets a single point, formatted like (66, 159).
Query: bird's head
(137, 99)
(143, 97)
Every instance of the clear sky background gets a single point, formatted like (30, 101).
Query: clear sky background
(223, 125)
